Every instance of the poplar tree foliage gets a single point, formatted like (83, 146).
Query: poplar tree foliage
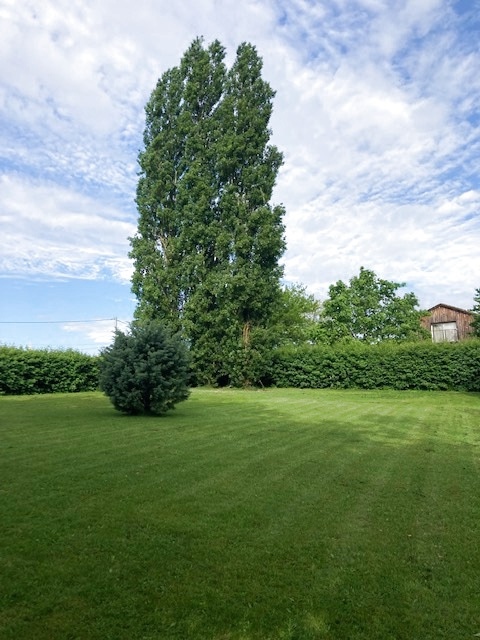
(207, 249)
(146, 370)
(369, 309)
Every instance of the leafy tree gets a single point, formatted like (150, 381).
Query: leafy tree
(177, 184)
(145, 371)
(476, 311)
(369, 309)
(206, 253)
(296, 318)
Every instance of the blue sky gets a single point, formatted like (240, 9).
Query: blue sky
(377, 112)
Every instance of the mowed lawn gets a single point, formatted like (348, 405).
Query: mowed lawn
(277, 514)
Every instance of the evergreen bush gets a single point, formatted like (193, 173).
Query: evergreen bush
(145, 371)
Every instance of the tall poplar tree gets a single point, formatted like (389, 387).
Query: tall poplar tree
(206, 253)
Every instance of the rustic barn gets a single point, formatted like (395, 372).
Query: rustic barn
(448, 324)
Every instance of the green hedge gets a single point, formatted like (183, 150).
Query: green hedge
(26, 371)
(420, 365)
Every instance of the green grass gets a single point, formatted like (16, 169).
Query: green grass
(279, 514)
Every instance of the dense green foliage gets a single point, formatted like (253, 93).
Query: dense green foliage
(295, 320)
(145, 371)
(283, 514)
(26, 371)
(476, 311)
(369, 309)
(421, 365)
(207, 249)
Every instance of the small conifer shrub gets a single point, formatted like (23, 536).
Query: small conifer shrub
(146, 370)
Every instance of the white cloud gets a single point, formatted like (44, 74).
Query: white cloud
(99, 332)
(427, 246)
(55, 231)
(376, 112)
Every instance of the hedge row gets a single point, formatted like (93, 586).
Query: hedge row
(421, 365)
(25, 371)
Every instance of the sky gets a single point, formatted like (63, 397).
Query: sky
(377, 113)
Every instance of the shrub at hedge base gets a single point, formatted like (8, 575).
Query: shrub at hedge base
(420, 365)
(27, 371)
(145, 371)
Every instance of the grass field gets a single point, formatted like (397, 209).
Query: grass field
(242, 515)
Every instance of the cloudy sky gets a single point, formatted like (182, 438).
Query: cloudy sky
(377, 112)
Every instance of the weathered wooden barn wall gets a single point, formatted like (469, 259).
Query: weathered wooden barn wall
(444, 314)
